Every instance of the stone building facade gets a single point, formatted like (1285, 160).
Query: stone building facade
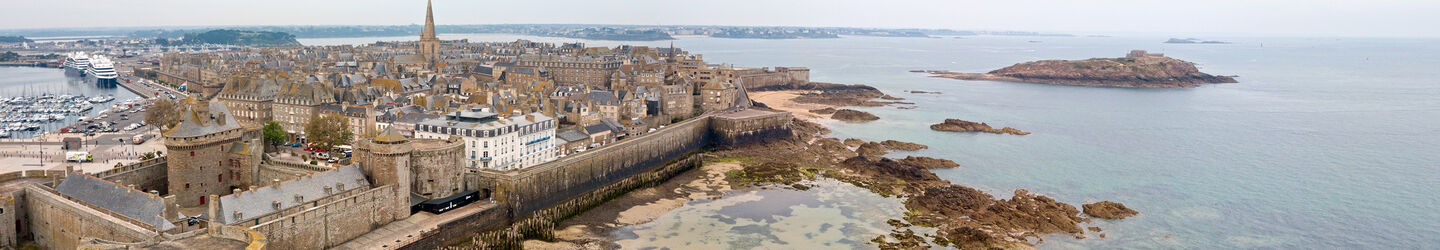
(211, 154)
(585, 70)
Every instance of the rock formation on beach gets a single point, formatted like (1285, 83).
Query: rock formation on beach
(929, 163)
(1108, 210)
(957, 125)
(824, 111)
(1140, 70)
(900, 145)
(851, 115)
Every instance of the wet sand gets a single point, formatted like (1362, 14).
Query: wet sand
(591, 229)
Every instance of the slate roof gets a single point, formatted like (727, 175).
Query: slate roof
(122, 200)
(389, 135)
(255, 203)
(601, 97)
(414, 118)
(572, 135)
(597, 128)
(196, 124)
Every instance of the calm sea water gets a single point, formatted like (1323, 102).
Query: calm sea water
(1324, 143)
(35, 81)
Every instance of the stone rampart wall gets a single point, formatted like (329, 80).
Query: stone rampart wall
(545, 185)
(772, 79)
(333, 223)
(60, 223)
(739, 131)
(145, 175)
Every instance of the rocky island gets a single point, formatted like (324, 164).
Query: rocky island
(957, 125)
(1136, 70)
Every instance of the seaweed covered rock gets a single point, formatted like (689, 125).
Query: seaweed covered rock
(929, 163)
(851, 115)
(1108, 210)
(957, 125)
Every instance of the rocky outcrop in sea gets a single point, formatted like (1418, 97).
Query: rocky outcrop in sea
(957, 125)
(1139, 71)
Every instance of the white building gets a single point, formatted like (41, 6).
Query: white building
(494, 142)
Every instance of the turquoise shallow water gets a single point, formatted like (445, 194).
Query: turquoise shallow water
(1324, 143)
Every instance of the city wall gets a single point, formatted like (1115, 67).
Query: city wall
(61, 223)
(779, 78)
(145, 175)
(530, 189)
(14, 220)
(740, 130)
(535, 198)
(331, 224)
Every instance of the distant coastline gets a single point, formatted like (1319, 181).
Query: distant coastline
(578, 31)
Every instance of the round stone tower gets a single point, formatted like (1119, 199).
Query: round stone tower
(386, 161)
(437, 168)
(198, 163)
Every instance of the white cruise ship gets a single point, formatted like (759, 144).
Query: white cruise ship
(76, 63)
(101, 72)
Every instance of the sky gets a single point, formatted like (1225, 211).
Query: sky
(1353, 18)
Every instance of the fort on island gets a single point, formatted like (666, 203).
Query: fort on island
(447, 139)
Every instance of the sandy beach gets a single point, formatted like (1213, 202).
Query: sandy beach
(782, 100)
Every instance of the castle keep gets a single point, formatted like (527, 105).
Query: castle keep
(218, 156)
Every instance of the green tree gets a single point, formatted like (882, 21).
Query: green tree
(274, 133)
(164, 113)
(328, 130)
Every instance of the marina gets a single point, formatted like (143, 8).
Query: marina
(43, 100)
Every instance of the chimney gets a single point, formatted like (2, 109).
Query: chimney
(252, 188)
(530, 118)
(236, 192)
(155, 192)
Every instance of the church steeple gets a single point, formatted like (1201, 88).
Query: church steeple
(429, 32)
(429, 46)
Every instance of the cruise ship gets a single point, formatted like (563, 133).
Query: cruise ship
(101, 72)
(76, 63)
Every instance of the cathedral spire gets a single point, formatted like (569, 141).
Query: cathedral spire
(429, 32)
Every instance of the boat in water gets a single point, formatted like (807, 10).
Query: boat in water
(101, 99)
(102, 72)
(76, 63)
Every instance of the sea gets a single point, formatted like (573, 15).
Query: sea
(1325, 143)
(36, 81)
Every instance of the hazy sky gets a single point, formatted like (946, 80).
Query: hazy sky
(1392, 18)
